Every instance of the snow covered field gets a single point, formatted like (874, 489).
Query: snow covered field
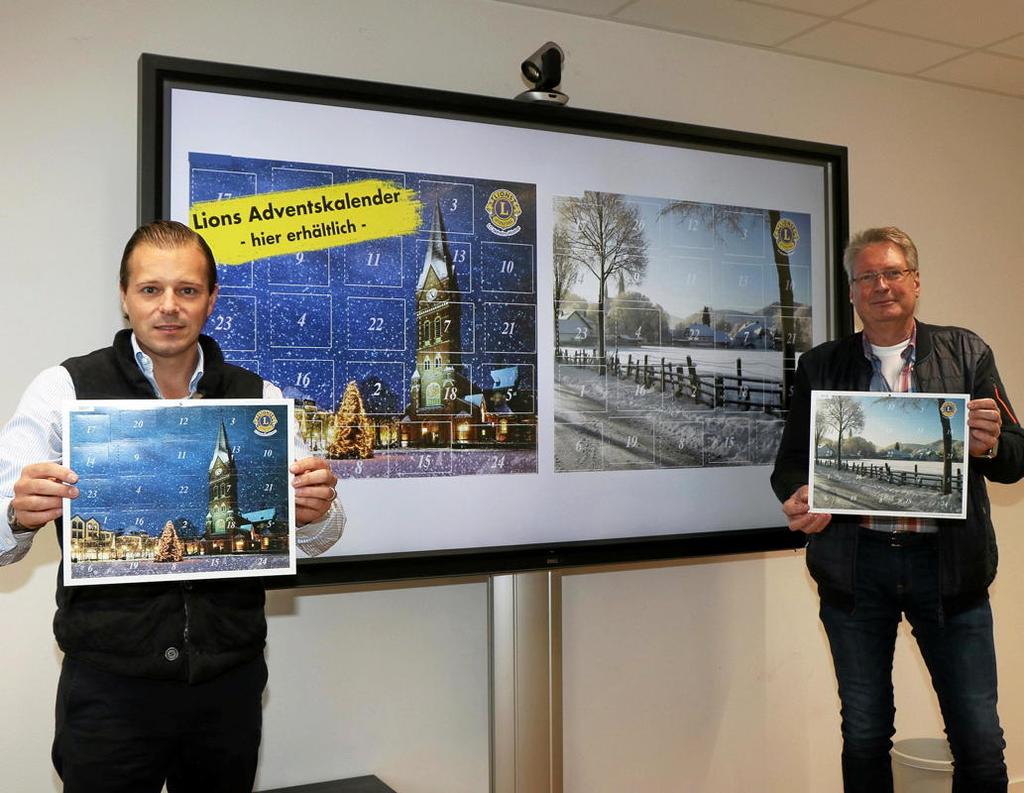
(603, 423)
(846, 491)
(764, 364)
(921, 466)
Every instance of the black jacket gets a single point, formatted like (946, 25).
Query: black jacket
(192, 630)
(948, 360)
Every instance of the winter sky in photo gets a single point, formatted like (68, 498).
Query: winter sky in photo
(139, 468)
(908, 420)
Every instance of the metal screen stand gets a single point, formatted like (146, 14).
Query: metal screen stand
(526, 682)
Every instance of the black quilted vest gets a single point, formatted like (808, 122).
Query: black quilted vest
(192, 630)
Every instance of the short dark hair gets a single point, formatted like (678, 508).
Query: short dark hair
(862, 239)
(168, 235)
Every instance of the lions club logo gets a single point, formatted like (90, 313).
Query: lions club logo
(786, 236)
(265, 423)
(503, 210)
(947, 409)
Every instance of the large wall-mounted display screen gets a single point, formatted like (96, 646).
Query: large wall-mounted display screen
(522, 336)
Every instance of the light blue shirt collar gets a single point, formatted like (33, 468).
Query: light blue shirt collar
(145, 364)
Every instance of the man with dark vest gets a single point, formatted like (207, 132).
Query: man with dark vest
(161, 682)
(870, 570)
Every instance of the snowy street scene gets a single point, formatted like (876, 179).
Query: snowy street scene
(888, 454)
(678, 326)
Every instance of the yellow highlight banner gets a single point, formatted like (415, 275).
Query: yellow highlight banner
(293, 221)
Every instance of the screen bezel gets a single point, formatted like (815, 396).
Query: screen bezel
(158, 75)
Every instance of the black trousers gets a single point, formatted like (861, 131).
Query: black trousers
(119, 734)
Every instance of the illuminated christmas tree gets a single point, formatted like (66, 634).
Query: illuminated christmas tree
(353, 430)
(170, 548)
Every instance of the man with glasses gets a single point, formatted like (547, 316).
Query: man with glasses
(872, 571)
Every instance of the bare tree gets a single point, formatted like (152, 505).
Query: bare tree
(844, 415)
(605, 235)
(693, 215)
(566, 271)
(820, 424)
(786, 313)
(947, 449)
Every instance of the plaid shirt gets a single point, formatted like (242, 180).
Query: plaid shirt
(904, 384)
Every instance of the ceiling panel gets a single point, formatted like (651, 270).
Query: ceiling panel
(825, 8)
(969, 24)
(1014, 46)
(722, 19)
(590, 8)
(979, 44)
(874, 49)
(979, 69)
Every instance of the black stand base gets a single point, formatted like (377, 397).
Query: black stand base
(358, 784)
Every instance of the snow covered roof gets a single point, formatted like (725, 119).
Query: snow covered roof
(564, 316)
(700, 330)
(293, 392)
(260, 515)
(505, 378)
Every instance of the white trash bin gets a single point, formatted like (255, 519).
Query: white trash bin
(922, 765)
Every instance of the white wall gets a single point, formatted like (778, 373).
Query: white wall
(710, 676)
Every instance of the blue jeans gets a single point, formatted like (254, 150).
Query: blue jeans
(896, 577)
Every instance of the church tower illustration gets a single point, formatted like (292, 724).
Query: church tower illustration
(437, 382)
(222, 517)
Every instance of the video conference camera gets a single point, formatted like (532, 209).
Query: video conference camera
(544, 70)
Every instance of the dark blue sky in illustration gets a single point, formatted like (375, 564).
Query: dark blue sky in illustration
(312, 321)
(152, 465)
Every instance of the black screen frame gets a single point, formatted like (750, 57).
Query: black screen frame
(159, 74)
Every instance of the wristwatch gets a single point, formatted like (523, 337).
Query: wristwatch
(12, 518)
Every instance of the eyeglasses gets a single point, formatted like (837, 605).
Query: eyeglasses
(889, 276)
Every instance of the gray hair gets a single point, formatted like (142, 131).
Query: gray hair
(862, 239)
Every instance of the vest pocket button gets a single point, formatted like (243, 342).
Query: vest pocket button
(171, 653)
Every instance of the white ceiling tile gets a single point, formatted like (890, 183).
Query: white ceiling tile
(969, 24)
(872, 49)
(981, 70)
(590, 8)
(825, 8)
(1014, 46)
(722, 19)
(895, 36)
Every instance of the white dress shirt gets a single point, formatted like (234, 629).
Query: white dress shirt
(33, 435)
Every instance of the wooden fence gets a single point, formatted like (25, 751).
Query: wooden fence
(884, 473)
(685, 381)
